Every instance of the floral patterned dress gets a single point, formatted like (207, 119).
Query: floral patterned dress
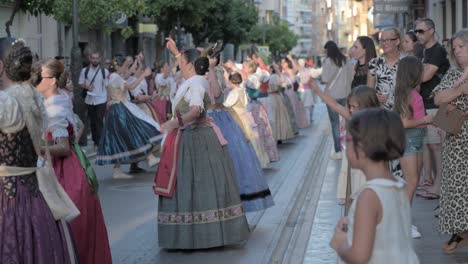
(453, 217)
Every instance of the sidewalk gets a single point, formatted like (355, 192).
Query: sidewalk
(428, 247)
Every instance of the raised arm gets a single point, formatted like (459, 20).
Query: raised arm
(331, 102)
(215, 89)
(133, 85)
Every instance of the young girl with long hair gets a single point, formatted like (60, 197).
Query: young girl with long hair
(379, 220)
(409, 104)
(362, 97)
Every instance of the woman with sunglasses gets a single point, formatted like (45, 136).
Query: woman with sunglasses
(88, 229)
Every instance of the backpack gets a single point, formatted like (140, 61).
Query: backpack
(103, 72)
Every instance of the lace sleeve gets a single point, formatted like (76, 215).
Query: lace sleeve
(11, 119)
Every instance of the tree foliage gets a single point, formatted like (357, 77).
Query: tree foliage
(278, 36)
(229, 20)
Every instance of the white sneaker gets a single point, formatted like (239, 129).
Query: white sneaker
(152, 160)
(336, 156)
(414, 232)
(118, 174)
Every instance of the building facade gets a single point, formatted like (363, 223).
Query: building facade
(449, 16)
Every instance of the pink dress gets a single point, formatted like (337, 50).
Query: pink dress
(88, 229)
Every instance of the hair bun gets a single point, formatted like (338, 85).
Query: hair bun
(201, 65)
(235, 78)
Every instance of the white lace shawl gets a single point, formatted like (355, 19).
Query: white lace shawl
(59, 110)
(31, 104)
(11, 118)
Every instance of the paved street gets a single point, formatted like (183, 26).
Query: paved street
(296, 230)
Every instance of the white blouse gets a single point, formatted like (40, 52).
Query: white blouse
(11, 117)
(59, 110)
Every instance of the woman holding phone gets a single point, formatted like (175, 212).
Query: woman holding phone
(382, 70)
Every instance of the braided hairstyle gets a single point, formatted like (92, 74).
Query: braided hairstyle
(18, 60)
(57, 70)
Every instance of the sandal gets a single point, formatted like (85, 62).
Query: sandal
(424, 185)
(461, 242)
(428, 195)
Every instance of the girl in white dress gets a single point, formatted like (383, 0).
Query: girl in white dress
(378, 228)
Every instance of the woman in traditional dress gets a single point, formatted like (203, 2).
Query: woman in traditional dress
(253, 188)
(89, 228)
(29, 233)
(307, 97)
(277, 111)
(165, 91)
(129, 134)
(290, 69)
(252, 85)
(142, 99)
(199, 203)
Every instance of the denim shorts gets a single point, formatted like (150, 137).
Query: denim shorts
(414, 140)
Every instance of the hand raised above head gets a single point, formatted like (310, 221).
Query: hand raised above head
(147, 72)
(171, 46)
(213, 62)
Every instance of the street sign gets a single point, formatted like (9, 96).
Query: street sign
(391, 6)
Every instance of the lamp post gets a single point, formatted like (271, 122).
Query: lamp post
(75, 68)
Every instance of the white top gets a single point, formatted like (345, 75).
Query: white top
(342, 85)
(263, 75)
(192, 91)
(252, 82)
(11, 118)
(99, 94)
(31, 104)
(142, 87)
(160, 81)
(60, 114)
(393, 242)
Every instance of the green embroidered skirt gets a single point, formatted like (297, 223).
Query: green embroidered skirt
(205, 210)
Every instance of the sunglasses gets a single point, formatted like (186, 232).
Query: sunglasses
(39, 79)
(420, 31)
(388, 40)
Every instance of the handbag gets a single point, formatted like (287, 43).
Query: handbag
(449, 121)
(334, 78)
(57, 199)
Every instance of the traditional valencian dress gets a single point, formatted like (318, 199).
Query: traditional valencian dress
(199, 202)
(165, 88)
(287, 102)
(88, 229)
(260, 116)
(277, 113)
(29, 233)
(142, 89)
(129, 134)
(253, 188)
(302, 120)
